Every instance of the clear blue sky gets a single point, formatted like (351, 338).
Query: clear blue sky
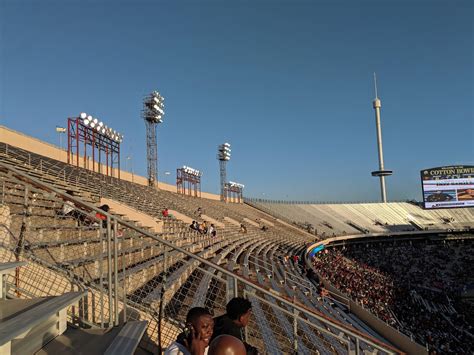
(287, 83)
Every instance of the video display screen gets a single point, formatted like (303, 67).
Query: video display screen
(448, 187)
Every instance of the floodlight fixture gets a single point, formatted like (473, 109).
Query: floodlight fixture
(236, 184)
(100, 127)
(191, 171)
(154, 107)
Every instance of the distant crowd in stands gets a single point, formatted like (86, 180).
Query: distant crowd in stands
(413, 286)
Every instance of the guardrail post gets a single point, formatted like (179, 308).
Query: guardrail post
(295, 329)
(236, 289)
(109, 269)
(357, 346)
(116, 288)
(124, 280)
(101, 278)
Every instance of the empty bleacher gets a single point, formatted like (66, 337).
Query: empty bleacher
(357, 218)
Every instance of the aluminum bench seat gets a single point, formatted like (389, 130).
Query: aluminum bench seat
(128, 339)
(39, 325)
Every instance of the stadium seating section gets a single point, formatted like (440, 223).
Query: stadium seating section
(123, 273)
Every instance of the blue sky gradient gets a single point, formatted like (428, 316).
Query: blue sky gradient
(287, 83)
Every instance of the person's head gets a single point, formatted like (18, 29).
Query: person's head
(105, 208)
(226, 345)
(239, 310)
(202, 322)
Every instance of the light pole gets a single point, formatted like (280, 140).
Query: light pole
(59, 131)
(129, 167)
(223, 155)
(153, 112)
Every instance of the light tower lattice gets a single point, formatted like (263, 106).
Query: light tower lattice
(153, 112)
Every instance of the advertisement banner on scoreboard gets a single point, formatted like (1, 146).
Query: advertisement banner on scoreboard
(448, 187)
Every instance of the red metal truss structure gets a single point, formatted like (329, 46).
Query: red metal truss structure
(92, 150)
(188, 183)
(233, 193)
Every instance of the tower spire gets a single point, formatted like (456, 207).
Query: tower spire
(375, 86)
(381, 173)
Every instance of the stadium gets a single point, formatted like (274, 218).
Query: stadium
(321, 278)
(124, 231)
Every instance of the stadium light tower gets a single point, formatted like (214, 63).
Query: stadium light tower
(223, 155)
(153, 112)
(381, 173)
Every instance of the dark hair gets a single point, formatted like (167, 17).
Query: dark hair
(105, 208)
(195, 313)
(237, 307)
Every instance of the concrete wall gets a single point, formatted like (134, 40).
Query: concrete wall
(23, 141)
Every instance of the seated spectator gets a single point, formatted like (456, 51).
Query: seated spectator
(243, 228)
(165, 212)
(102, 217)
(233, 322)
(69, 209)
(203, 228)
(195, 338)
(199, 212)
(212, 230)
(68, 206)
(264, 228)
(194, 226)
(227, 345)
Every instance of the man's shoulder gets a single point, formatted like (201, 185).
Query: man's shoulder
(225, 325)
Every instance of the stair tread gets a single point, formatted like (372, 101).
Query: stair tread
(81, 341)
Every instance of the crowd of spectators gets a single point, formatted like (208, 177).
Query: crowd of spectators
(413, 286)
